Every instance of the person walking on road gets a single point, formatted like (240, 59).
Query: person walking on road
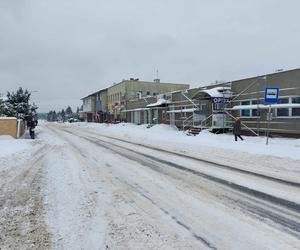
(237, 129)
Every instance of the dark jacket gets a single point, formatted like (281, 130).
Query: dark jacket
(31, 124)
(237, 127)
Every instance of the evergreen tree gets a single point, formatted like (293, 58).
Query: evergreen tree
(52, 116)
(77, 113)
(32, 111)
(69, 112)
(59, 116)
(17, 104)
(63, 115)
(49, 116)
(1, 107)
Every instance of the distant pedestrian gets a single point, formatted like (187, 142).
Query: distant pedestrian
(31, 124)
(237, 129)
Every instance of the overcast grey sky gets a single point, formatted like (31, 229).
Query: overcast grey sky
(66, 49)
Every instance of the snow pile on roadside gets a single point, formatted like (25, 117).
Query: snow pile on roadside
(6, 137)
(10, 145)
(281, 147)
(168, 137)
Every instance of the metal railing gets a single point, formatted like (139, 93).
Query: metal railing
(204, 122)
(188, 121)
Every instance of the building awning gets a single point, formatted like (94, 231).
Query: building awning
(182, 111)
(263, 106)
(159, 102)
(132, 110)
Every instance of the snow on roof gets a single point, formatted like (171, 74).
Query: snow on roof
(218, 92)
(158, 103)
(182, 110)
(263, 106)
(138, 109)
(8, 118)
(94, 93)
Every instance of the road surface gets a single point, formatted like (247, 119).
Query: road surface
(82, 190)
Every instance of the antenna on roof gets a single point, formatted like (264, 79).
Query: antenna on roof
(156, 80)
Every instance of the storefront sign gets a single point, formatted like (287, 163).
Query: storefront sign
(220, 100)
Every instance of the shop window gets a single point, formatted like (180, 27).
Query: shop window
(296, 111)
(283, 111)
(245, 112)
(255, 112)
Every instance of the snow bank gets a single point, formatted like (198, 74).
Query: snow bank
(10, 145)
(6, 137)
(167, 137)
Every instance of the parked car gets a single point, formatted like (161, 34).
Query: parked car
(73, 120)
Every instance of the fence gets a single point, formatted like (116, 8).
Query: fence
(11, 126)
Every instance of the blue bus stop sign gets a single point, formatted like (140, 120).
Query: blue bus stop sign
(271, 95)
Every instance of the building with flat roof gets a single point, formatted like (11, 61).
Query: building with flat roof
(215, 106)
(107, 104)
(119, 94)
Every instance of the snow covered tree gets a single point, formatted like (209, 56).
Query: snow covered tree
(49, 115)
(69, 112)
(17, 105)
(77, 113)
(1, 107)
(52, 116)
(32, 111)
(63, 115)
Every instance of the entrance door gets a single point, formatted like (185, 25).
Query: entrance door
(219, 120)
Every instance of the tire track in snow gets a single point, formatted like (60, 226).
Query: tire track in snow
(180, 223)
(211, 163)
(22, 225)
(276, 200)
(278, 219)
(194, 235)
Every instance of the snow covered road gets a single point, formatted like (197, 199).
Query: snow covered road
(95, 192)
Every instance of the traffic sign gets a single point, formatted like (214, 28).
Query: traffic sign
(271, 95)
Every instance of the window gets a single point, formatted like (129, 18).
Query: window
(148, 93)
(245, 112)
(255, 112)
(289, 111)
(283, 111)
(296, 111)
